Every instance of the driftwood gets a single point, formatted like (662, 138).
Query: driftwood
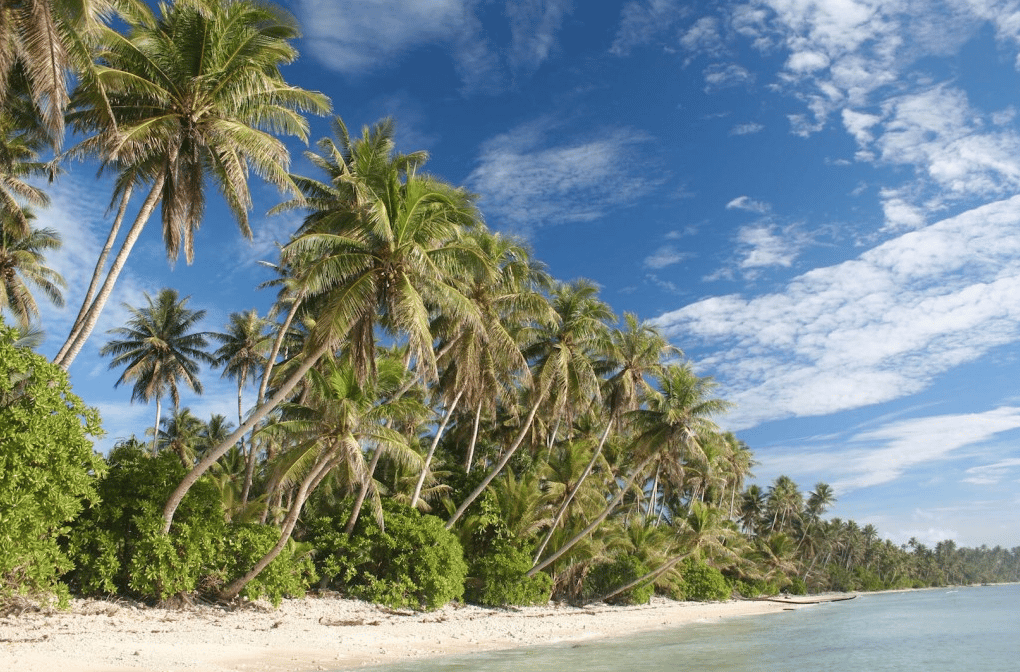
(786, 600)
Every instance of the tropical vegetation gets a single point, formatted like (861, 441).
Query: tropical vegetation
(425, 415)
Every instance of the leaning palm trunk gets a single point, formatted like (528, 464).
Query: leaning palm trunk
(498, 468)
(650, 576)
(474, 439)
(638, 471)
(573, 491)
(432, 449)
(312, 479)
(75, 341)
(277, 345)
(96, 274)
(256, 416)
(366, 485)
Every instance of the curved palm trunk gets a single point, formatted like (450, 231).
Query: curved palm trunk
(155, 427)
(308, 484)
(363, 492)
(249, 462)
(595, 523)
(650, 576)
(432, 449)
(74, 342)
(86, 303)
(277, 344)
(573, 491)
(474, 439)
(498, 468)
(216, 453)
(653, 494)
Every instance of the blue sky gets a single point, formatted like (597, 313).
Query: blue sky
(818, 200)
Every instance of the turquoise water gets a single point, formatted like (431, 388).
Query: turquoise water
(976, 628)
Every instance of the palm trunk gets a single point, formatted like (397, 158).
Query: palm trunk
(366, 485)
(469, 458)
(595, 523)
(652, 495)
(97, 273)
(650, 576)
(432, 449)
(313, 478)
(249, 457)
(155, 428)
(74, 342)
(498, 468)
(256, 416)
(277, 344)
(573, 491)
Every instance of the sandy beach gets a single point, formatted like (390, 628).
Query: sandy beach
(315, 633)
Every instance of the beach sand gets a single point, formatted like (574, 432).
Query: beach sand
(315, 633)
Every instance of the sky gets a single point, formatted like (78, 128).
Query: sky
(817, 200)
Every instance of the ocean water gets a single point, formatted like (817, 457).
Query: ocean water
(953, 629)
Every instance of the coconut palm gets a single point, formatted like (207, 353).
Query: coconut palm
(636, 352)
(182, 434)
(341, 415)
(565, 370)
(196, 93)
(43, 41)
(672, 424)
(159, 349)
(22, 264)
(242, 355)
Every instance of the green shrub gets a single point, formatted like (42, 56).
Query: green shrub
(500, 579)
(797, 586)
(416, 562)
(118, 546)
(606, 577)
(288, 575)
(47, 470)
(755, 587)
(701, 583)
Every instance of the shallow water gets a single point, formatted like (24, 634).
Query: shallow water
(976, 628)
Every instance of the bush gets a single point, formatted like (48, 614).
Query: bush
(416, 562)
(701, 583)
(797, 586)
(500, 579)
(118, 545)
(755, 587)
(47, 470)
(288, 575)
(606, 577)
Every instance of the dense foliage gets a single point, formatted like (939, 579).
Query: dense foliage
(47, 468)
(431, 417)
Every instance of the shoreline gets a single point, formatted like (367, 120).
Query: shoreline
(317, 633)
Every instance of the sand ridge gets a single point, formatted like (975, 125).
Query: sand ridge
(314, 633)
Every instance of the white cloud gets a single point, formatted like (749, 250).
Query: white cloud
(356, 37)
(525, 182)
(762, 246)
(988, 474)
(667, 255)
(641, 21)
(533, 26)
(748, 204)
(746, 129)
(868, 330)
(722, 76)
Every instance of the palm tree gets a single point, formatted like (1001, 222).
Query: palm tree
(182, 434)
(158, 350)
(42, 40)
(564, 370)
(195, 93)
(386, 248)
(675, 420)
(340, 416)
(242, 355)
(636, 352)
(22, 263)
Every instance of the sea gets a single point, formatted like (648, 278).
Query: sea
(946, 629)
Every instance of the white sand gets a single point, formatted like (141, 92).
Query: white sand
(312, 634)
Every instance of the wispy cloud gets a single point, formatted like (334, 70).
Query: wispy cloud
(358, 37)
(987, 474)
(746, 129)
(667, 255)
(763, 246)
(748, 204)
(642, 21)
(868, 330)
(525, 182)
